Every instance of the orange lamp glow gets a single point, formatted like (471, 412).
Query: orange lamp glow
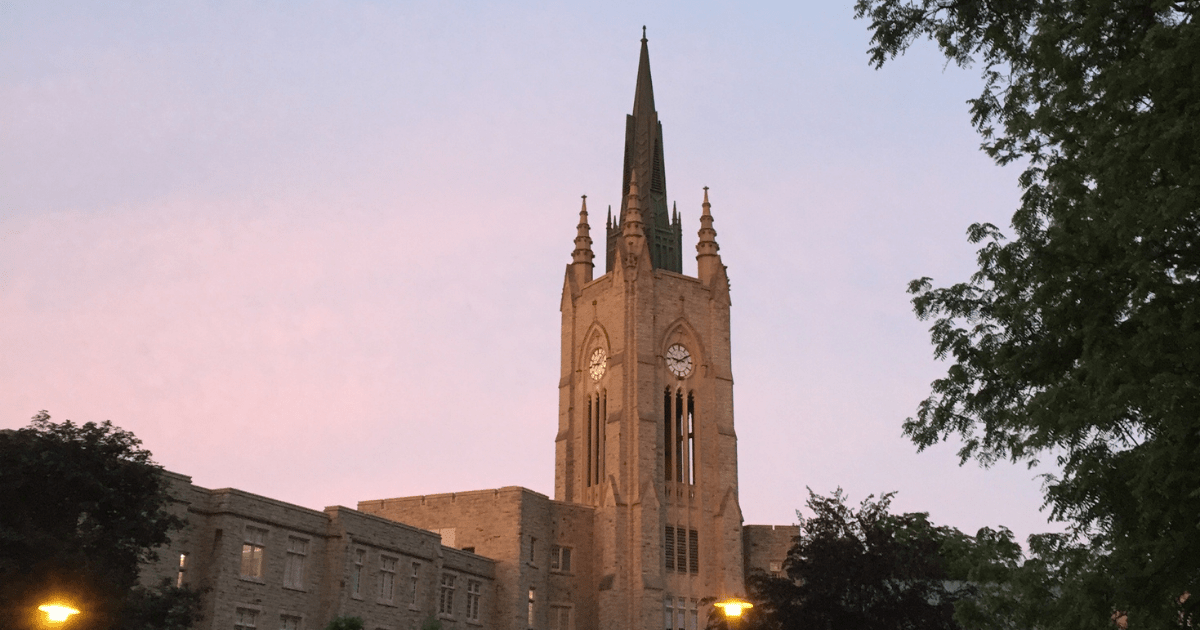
(733, 607)
(57, 613)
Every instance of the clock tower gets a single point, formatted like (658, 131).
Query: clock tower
(645, 431)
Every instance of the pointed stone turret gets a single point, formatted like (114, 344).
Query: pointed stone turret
(631, 225)
(581, 258)
(644, 156)
(708, 261)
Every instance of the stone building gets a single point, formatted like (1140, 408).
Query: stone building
(644, 529)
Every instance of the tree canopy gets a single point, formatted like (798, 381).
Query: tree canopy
(1079, 338)
(84, 505)
(860, 569)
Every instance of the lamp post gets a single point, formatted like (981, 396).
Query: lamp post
(733, 609)
(57, 613)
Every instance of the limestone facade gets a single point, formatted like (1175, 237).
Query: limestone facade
(644, 530)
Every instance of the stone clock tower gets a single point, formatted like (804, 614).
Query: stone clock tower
(645, 431)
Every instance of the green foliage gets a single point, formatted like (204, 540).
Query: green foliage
(864, 569)
(345, 623)
(1080, 338)
(166, 607)
(83, 506)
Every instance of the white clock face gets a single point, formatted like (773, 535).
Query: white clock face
(596, 365)
(679, 361)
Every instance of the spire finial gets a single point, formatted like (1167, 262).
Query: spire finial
(643, 32)
(581, 258)
(707, 258)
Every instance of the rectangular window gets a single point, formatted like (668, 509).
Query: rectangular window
(667, 441)
(289, 622)
(183, 565)
(415, 578)
(560, 618)
(387, 579)
(691, 437)
(532, 551)
(532, 592)
(245, 618)
(474, 589)
(693, 551)
(560, 559)
(446, 595)
(293, 570)
(669, 612)
(669, 547)
(252, 552)
(680, 613)
(693, 616)
(360, 560)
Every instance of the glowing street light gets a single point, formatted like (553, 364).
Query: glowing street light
(57, 613)
(733, 607)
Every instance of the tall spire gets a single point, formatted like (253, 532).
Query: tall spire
(644, 156)
(581, 258)
(643, 94)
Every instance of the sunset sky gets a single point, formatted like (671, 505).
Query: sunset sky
(315, 250)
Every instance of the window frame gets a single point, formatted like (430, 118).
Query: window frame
(293, 567)
(256, 547)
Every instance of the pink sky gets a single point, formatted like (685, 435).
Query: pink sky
(315, 250)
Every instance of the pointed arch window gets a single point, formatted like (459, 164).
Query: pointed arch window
(679, 436)
(597, 410)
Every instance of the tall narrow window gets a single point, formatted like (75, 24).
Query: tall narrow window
(387, 578)
(446, 595)
(183, 565)
(414, 579)
(360, 559)
(669, 547)
(691, 437)
(667, 439)
(252, 553)
(588, 474)
(293, 570)
(693, 617)
(596, 454)
(693, 551)
(474, 587)
(532, 593)
(679, 436)
(603, 432)
(669, 612)
(680, 613)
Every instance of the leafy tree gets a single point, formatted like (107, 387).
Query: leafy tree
(1080, 338)
(83, 506)
(864, 569)
(345, 623)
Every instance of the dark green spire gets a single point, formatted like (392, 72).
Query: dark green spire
(644, 153)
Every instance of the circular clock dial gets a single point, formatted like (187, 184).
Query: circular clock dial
(596, 365)
(679, 361)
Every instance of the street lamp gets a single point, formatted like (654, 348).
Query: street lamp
(57, 613)
(733, 609)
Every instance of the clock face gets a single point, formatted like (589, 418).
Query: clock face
(679, 361)
(596, 365)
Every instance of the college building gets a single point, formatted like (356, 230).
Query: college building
(644, 530)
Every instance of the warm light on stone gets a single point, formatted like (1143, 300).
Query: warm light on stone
(733, 607)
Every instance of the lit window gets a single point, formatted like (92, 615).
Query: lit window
(474, 588)
(532, 593)
(560, 559)
(183, 565)
(360, 559)
(387, 579)
(446, 595)
(252, 552)
(245, 618)
(293, 570)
